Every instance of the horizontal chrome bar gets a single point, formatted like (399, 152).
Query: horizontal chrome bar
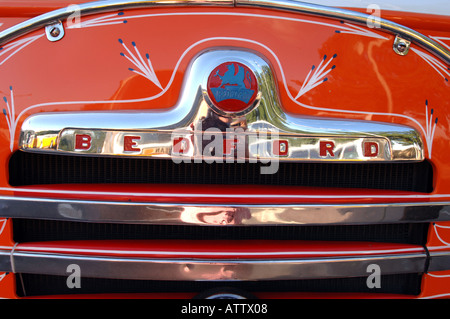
(220, 214)
(5, 261)
(350, 16)
(439, 261)
(213, 269)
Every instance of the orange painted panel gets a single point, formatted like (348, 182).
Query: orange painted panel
(6, 240)
(137, 60)
(436, 285)
(7, 286)
(322, 67)
(7, 280)
(439, 236)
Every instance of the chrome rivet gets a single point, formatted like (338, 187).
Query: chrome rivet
(401, 46)
(54, 31)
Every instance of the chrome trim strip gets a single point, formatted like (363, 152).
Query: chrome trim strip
(193, 121)
(351, 16)
(5, 261)
(220, 214)
(281, 5)
(95, 7)
(439, 261)
(213, 269)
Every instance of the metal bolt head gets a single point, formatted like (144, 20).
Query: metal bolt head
(55, 32)
(401, 46)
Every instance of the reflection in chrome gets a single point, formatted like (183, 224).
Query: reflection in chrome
(185, 131)
(221, 214)
(209, 268)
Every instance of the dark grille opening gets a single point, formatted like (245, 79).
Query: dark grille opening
(38, 285)
(35, 169)
(28, 230)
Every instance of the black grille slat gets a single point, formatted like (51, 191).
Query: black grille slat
(39, 169)
(33, 230)
(38, 285)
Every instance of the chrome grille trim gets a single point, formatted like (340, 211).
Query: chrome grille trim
(439, 261)
(255, 215)
(213, 269)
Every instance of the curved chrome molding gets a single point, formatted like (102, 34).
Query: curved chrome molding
(350, 16)
(210, 269)
(220, 215)
(282, 5)
(257, 135)
(95, 7)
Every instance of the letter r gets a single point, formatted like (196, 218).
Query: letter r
(180, 145)
(326, 147)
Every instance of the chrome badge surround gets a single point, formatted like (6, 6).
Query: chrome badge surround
(267, 132)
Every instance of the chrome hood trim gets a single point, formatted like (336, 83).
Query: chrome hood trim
(437, 7)
(280, 5)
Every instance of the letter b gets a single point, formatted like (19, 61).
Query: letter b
(82, 142)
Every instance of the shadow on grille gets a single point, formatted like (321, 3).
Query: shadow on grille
(34, 169)
(38, 285)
